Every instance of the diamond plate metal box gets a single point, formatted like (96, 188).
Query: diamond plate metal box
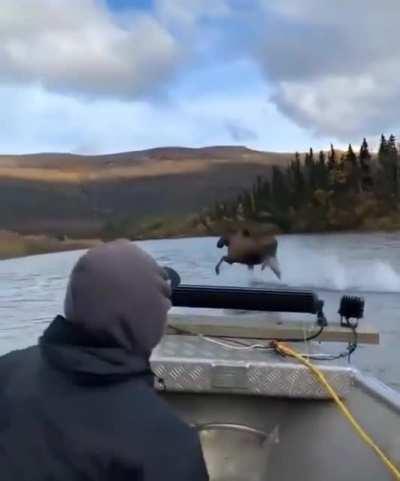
(192, 364)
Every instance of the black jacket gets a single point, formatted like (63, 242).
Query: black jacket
(71, 412)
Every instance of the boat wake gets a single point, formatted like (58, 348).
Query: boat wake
(330, 273)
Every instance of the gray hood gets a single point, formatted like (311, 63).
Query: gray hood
(118, 294)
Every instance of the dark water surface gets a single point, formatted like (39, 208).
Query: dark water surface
(368, 265)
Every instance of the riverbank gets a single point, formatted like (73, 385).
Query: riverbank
(14, 245)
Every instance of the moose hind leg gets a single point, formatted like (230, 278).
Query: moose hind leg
(273, 264)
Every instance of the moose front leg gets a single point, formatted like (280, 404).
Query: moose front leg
(223, 259)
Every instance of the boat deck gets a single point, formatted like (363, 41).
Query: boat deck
(193, 364)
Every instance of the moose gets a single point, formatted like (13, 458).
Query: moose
(249, 249)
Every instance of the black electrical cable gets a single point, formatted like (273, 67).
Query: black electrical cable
(303, 339)
(352, 346)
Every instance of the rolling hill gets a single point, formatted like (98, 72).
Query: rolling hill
(77, 195)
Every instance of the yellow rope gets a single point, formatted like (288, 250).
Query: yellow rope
(285, 349)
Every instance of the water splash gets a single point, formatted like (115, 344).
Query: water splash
(335, 272)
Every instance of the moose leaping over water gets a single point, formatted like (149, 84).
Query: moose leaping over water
(250, 249)
(248, 243)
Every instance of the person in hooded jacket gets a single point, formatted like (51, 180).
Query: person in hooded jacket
(81, 405)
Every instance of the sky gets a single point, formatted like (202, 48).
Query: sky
(100, 76)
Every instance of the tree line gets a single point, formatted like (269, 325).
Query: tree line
(323, 191)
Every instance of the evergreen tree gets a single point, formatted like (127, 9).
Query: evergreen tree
(296, 181)
(382, 168)
(382, 147)
(388, 157)
(309, 160)
(265, 196)
(321, 159)
(393, 166)
(311, 173)
(279, 190)
(351, 156)
(339, 178)
(365, 167)
(332, 159)
(322, 172)
(350, 170)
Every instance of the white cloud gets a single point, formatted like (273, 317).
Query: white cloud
(334, 65)
(80, 47)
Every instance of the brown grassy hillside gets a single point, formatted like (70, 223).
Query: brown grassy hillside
(69, 168)
(78, 195)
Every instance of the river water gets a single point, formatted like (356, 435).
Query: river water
(367, 265)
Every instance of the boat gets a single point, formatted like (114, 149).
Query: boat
(263, 413)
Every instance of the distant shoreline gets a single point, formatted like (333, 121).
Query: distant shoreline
(14, 245)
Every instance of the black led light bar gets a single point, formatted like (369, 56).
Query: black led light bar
(244, 298)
